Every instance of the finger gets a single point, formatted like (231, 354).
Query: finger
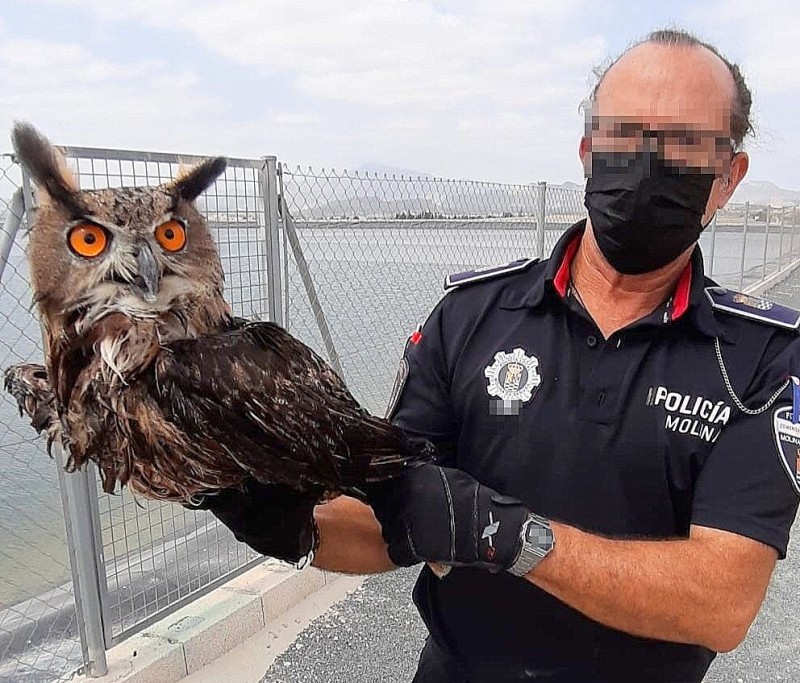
(440, 570)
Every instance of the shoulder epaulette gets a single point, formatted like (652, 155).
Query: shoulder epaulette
(753, 307)
(487, 273)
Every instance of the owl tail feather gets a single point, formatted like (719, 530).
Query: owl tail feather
(381, 451)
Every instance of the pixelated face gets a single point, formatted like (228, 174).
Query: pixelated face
(674, 101)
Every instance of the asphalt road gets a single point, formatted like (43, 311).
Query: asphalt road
(376, 635)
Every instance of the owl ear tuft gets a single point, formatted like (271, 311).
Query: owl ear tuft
(46, 163)
(199, 178)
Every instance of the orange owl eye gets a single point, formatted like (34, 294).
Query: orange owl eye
(171, 235)
(88, 240)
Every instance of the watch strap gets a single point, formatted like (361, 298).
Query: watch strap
(533, 551)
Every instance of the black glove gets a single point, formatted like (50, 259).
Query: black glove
(442, 515)
(272, 519)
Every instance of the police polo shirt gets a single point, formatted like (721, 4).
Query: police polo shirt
(634, 436)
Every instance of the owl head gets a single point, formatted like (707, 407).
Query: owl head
(143, 252)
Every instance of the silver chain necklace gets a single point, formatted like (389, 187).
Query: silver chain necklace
(739, 404)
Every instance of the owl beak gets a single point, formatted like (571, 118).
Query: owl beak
(148, 278)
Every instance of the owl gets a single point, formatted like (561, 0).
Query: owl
(147, 372)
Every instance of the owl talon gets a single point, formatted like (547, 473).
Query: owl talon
(28, 384)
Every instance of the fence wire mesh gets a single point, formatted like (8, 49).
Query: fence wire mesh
(563, 207)
(156, 555)
(363, 259)
(746, 243)
(377, 250)
(38, 626)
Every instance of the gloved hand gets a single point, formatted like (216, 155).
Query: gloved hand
(444, 516)
(272, 519)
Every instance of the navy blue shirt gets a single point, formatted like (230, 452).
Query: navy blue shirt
(634, 436)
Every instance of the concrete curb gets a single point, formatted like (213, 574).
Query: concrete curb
(776, 278)
(210, 626)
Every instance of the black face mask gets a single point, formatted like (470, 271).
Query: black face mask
(644, 213)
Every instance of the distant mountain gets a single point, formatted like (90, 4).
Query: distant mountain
(765, 192)
(375, 167)
(429, 199)
(754, 191)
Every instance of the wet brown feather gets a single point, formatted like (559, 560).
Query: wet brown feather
(177, 398)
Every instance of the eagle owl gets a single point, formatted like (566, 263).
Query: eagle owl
(149, 375)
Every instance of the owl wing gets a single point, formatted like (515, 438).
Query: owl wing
(263, 398)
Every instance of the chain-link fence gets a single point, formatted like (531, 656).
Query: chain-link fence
(373, 252)
(351, 264)
(368, 254)
(152, 556)
(38, 620)
(745, 244)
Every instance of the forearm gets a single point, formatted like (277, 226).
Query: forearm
(677, 590)
(350, 538)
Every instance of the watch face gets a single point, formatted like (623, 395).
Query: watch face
(539, 535)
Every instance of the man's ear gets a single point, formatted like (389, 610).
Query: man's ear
(46, 164)
(196, 180)
(584, 152)
(739, 165)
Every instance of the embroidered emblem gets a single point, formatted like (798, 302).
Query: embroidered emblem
(752, 301)
(513, 376)
(753, 308)
(787, 439)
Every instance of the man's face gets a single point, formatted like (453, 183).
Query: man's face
(675, 101)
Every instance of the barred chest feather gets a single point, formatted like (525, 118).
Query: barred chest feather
(111, 416)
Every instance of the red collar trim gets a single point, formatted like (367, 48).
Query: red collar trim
(680, 302)
(561, 280)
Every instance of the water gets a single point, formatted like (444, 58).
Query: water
(375, 282)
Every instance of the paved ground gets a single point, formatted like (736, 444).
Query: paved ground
(375, 634)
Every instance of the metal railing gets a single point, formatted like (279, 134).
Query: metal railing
(350, 263)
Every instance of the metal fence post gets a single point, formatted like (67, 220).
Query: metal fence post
(16, 209)
(744, 244)
(542, 216)
(713, 245)
(84, 539)
(308, 284)
(766, 242)
(81, 518)
(794, 219)
(269, 188)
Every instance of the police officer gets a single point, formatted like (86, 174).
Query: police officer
(618, 470)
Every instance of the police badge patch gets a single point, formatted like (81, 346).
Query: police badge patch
(787, 438)
(513, 377)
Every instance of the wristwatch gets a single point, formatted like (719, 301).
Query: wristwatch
(537, 541)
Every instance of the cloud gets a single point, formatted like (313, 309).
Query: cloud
(762, 37)
(296, 119)
(386, 78)
(73, 95)
(381, 53)
(463, 88)
(765, 35)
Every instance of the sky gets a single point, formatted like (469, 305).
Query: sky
(481, 89)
